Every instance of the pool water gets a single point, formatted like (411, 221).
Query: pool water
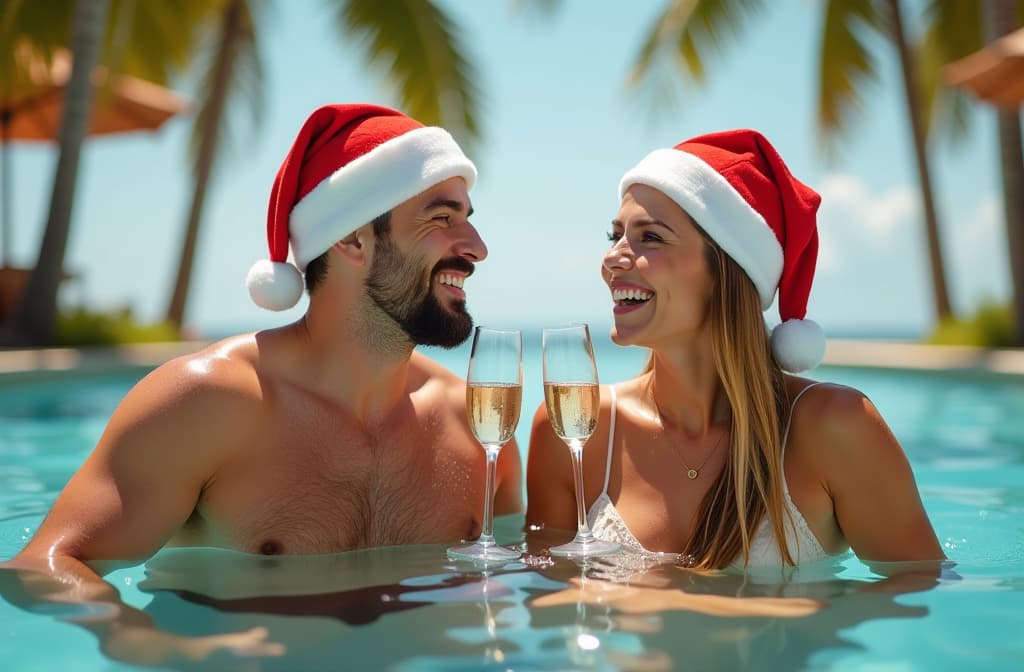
(409, 608)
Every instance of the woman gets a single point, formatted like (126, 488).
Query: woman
(713, 451)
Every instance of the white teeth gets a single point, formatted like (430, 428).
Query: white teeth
(448, 279)
(632, 294)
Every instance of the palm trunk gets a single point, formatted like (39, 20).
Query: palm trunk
(1001, 18)
(230, 32)
(35, 318)
(943, 309)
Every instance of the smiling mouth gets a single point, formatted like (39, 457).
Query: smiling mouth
(631, 297)
(451, 280)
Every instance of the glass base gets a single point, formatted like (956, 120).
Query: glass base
(483, 554)
(578, 548)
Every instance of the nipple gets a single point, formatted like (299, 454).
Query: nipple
(271, 548)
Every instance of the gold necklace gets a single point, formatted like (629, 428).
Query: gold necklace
(692, 473)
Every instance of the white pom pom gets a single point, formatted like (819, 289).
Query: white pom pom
(798, 345)
(273, 285)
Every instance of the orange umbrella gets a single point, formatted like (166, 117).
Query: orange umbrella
(994, 73)
(121, 105)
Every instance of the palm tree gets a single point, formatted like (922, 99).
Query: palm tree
(1003, 17)
(235, 50)
(34, 320)
(129, 37)
(413, 41)
(690, 29)
(912, 90)
(956, 30)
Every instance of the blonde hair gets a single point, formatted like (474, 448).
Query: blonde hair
(750, 485)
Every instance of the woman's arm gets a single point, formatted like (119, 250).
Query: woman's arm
(508, 497)
(875, 499)
(550, 498)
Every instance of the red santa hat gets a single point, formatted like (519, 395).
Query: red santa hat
(737, 188)
(348, 165)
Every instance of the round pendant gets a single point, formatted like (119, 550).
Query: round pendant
(691, 474)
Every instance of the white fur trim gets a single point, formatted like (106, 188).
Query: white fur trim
(798, 345)
(720, 210)
(367, 187)
(274, 285)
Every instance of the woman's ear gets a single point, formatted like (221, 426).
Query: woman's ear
(352, 247)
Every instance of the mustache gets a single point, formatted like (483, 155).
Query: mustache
(454, 264)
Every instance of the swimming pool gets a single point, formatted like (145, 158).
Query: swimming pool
(411, 609)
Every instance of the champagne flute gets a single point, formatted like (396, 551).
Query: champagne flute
(494, 395)
(573, 402)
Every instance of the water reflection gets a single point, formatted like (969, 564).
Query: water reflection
(410, 608)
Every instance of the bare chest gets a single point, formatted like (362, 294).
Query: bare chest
(326, 486)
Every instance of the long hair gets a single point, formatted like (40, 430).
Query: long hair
(750, 485)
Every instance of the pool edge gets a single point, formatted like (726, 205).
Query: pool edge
(36, 364)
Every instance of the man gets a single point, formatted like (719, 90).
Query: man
(328, 434)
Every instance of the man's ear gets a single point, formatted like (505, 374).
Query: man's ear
(353, 247)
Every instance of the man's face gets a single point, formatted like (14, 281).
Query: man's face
(420, 264)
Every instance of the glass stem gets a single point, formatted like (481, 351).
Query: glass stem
(487, 533)
(582, 526)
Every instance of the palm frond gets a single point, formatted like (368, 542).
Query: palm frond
(846, 63)
(416, 46)
(692, 30)
(30, 33)
(156, 41)
(953, 30)
(150, 40)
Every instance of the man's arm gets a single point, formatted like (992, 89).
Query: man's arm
(139, 485)
(550, 493)
(125, 633)
(145, 476)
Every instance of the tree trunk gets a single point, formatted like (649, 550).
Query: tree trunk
(943, 309)
(209, 135)
(35, 318)
(1001, 18)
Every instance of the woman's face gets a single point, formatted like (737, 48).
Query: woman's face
(656, 270)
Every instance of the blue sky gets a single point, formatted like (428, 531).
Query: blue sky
(560, 129)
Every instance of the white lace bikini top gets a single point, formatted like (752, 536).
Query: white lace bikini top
(606, 523)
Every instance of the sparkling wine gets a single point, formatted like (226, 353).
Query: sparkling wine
(493, 411)
(572, 408)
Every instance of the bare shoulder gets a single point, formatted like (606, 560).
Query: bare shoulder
(839, 425)
(427, 375)
(830, 406)
(226, 369)
(197, 398)
(841, 441)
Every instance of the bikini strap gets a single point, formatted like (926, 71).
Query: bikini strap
(611, 442)
(792, 406)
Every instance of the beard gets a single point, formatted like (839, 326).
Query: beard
(407, 297)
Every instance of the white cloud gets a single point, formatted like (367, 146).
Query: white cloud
(976, 234)
(977, 260)
(873, 263)
(872, 266)
(848, 208)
